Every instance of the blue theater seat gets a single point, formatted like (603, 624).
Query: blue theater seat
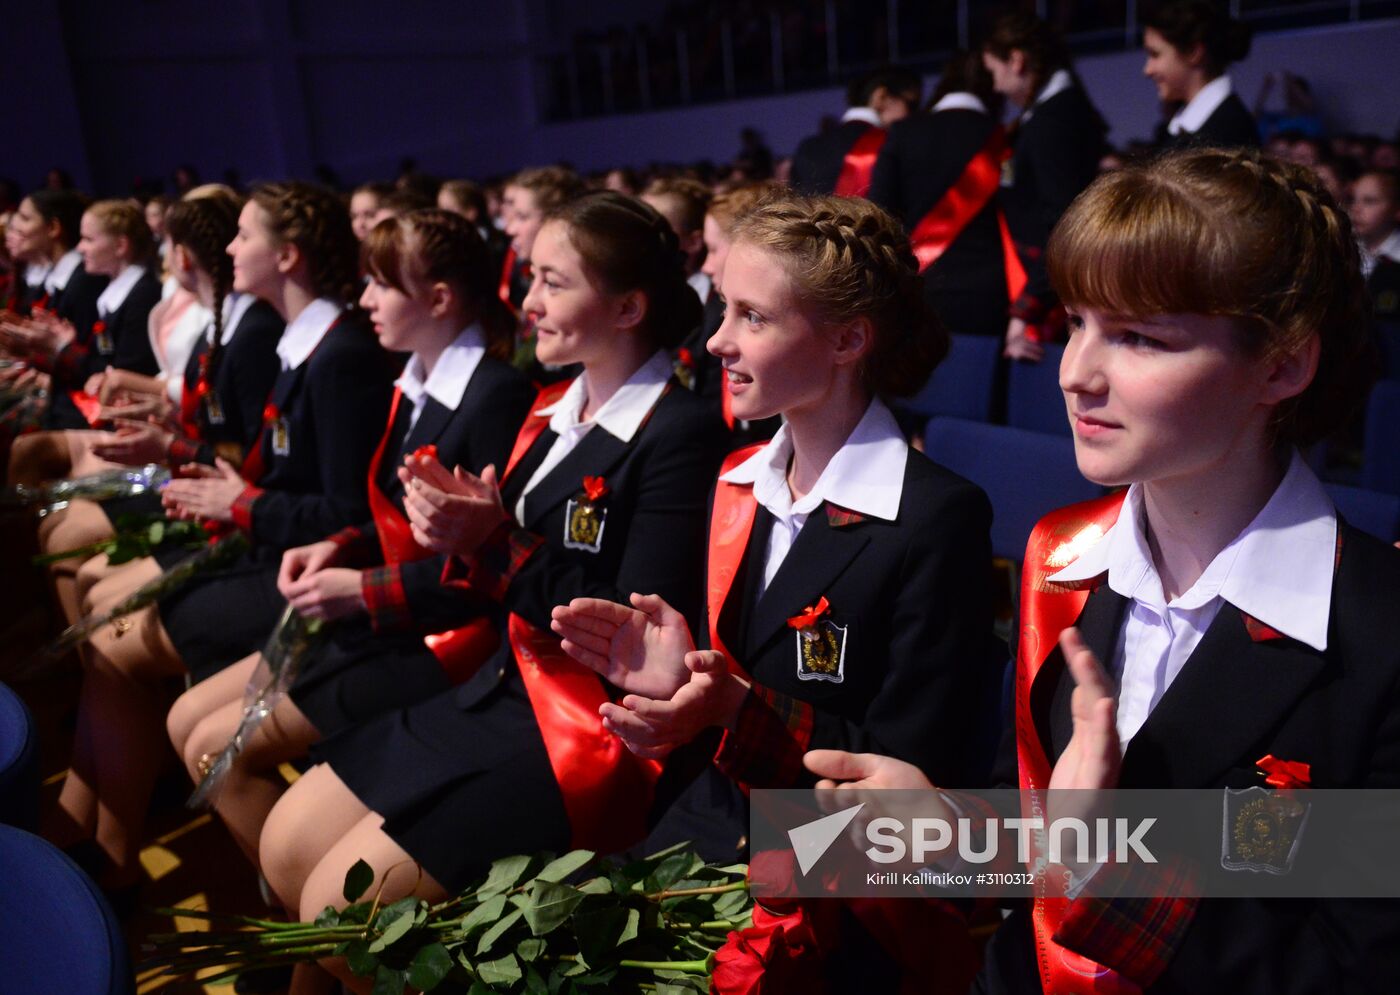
(19, 763)
(961, 387)
(1369, 511)
(57, 932)
(1033, 397)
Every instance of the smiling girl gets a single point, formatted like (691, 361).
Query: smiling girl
(604, 493)
(849, 596)
(431, 293)
(1218, 618)
(304, 479)
(1189, 44)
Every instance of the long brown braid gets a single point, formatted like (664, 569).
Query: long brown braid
(848, 259)
(1232, 234)
(317, 222)
(203, 224)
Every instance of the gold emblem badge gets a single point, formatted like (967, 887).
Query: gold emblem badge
(821, 652)
(821, 644)
(585, 517)
(1008, 173)
(213, 408)
(281, 437)
(1262, 830)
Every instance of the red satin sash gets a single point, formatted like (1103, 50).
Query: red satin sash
(190, 399)
(964, 200)
(859, 164)
(459, 651)
(1048, 608)
(731, 521)
(503, 288)
(606, 788)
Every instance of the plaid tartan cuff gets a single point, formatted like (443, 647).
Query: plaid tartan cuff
(66, 367)
(1134, 936)
(242, 509)
(385, 599)
(765, 747)
(356, 547)
(182, 451)
(490, 570)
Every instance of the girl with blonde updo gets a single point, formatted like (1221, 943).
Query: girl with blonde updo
(857, 616)
(1225, 625)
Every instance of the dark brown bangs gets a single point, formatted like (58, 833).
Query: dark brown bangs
(1134, 245)
(381, 255)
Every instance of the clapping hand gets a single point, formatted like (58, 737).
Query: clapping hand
(450, 513)
(641, 649)
(208, 496)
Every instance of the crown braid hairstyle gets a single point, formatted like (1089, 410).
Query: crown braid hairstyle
(551, 186)
(431, 245)
(848, 259)
(203, 224)
(1232, 234)
(125, 219)
(627, 245)
(317, 222)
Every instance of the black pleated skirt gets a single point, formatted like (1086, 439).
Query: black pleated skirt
(459, 785)
(220, 618)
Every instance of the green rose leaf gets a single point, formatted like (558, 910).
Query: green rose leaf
(599, 933)
(498, 930)
(394, 922)
(357, 880)
(505, 971)
(430, 966)
(550, 905)
(156, 533)
(559, 869)
(530, 950)
(534, 984)
(505, 874)
(388, 981)
(359, 959)
(330, 917)
(596, 886)
(480, 989)
(484, 914)
(673, 869)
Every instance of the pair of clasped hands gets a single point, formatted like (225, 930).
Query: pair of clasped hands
(450, 512)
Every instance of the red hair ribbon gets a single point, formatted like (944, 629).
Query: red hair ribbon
(428, 451)
(1284, 773)
(594, 487)
(810, 615)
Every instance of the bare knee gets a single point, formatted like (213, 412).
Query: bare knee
(282, 846)
(190, 727)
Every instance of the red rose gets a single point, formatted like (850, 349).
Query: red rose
(269, 414)
(429, 451)
(594, 487)
(779, 953)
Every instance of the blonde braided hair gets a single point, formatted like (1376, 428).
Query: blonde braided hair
(317, 222)
(848, 259)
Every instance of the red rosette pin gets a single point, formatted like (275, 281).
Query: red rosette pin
(808, 617)
(428, 451)
(594, 488)
(270, 413)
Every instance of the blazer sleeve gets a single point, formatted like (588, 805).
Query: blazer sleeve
(664, 551)
(429, 604)
(349, 395)
(941, 669)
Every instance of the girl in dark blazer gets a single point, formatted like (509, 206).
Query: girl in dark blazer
(604, 493)
(1057, 141)
(432, 292)
(1183, 662)
(849, 590)
(225, 385)
(42, 237)
(114, 243)
(1189, 45)
(925, 156)
(303, 480)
